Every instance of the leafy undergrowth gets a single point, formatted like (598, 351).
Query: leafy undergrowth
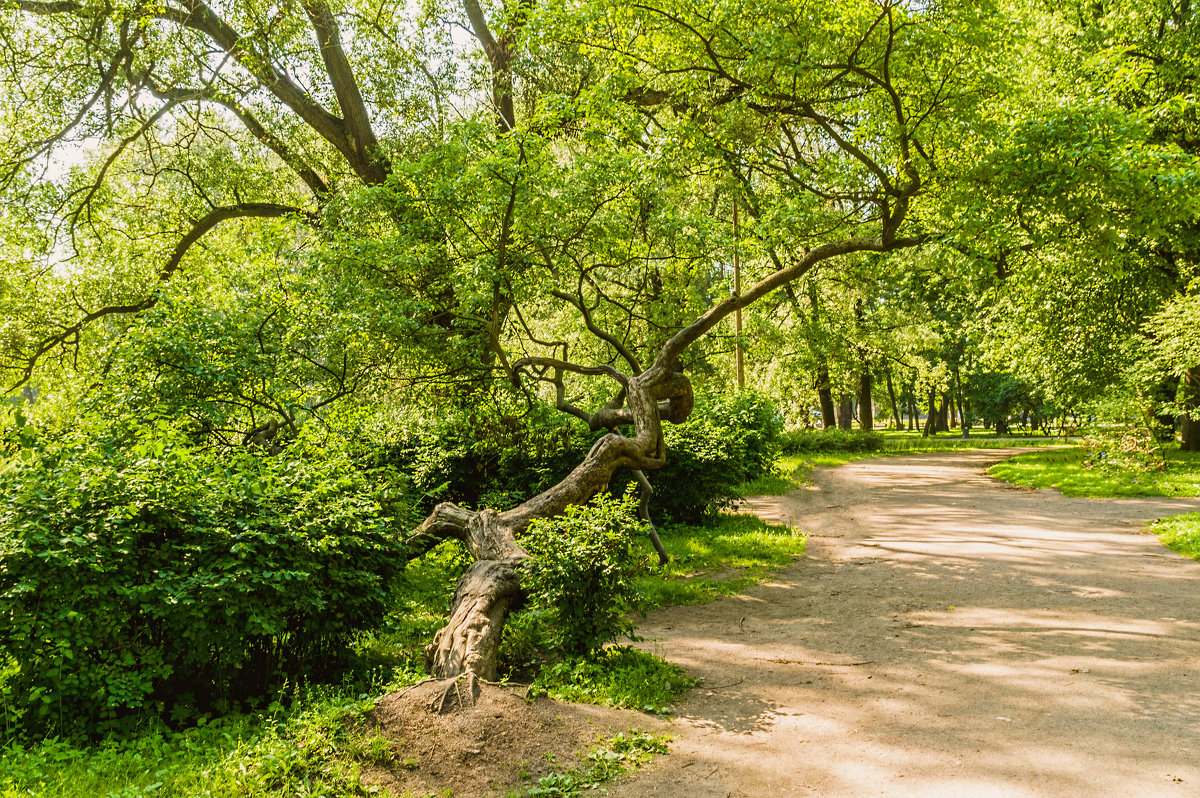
(618, 676)
(312, 748)
(610, 760)
(718, 560)
(1068, 471)
(311, 741)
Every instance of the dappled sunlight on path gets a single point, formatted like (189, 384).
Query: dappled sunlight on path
(945, 635)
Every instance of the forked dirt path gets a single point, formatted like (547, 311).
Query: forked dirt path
(946, 634)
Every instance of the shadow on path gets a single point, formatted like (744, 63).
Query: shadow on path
(946, 634)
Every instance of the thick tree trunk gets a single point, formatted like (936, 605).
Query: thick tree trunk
(491, 586)
(1189, 391)
(943, 414)
(825, 395)
(866, 410)
(1002, 423)
(846, 412)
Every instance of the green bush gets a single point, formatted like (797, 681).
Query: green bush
(804, 441)
(729, 440)
(485, 458)
(138, 573)
(581, 571)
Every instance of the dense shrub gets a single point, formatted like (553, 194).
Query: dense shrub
(486, 458)
(805, 441)
(580, 576)
(727, 441)
(138, 573)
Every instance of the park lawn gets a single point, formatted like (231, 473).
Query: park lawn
(1068, 472)
(708, 562)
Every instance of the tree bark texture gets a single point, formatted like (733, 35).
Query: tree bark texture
(846, 412)
(866, 410)
(931, 417)
(825, 395)
(491, 586)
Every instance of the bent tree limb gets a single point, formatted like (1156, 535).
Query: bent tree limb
(491, 586)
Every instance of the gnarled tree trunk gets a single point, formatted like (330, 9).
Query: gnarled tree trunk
(469, 642)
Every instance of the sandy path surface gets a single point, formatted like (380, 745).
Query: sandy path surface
(946, 634)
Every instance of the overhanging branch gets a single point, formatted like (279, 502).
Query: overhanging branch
(69, 335)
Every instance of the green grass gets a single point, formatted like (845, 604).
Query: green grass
(618, 676)
(1067, 471)
(718, 560)
(1180, 533)
(316, 747)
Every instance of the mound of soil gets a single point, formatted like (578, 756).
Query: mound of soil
(499, 741)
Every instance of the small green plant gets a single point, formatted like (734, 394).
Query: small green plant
(617, 676)
(581, 572)
(609, 761)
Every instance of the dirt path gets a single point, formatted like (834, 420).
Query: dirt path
(946, 635)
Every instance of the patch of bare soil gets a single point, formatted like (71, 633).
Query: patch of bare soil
(946, 634)
(501, 743)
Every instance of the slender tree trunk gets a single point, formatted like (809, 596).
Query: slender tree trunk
(866, 410)
(931, 418)
(887, 375)
(1189, 391)
(825, 395)
(963, 409)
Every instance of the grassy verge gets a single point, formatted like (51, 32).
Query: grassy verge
(1180, 533)
(1068, 471)
(312, 748)
(726, 558)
